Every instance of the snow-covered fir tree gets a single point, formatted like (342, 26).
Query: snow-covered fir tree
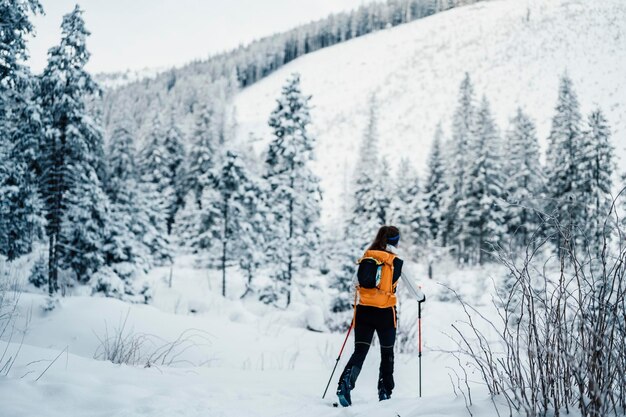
(235, 205)
(252, 242)
(201, 158)
(481, 207)
(458, 159)
(435, 190)
(294, 189)
(371, 184)
(406, 210)
(155, 175)
(84, 226)
(71, 188)
(174, 158)
(137, 234)
(342, 281)
(565, 177)
(598, 164)
(21, 218)
(524, 181)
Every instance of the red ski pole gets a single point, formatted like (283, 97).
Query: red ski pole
(337, 362)
(342, 347)
(419, 354)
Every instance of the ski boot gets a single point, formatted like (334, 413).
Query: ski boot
(346, 384)
(383, 393)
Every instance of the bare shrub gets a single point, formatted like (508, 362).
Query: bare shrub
(122, 345)
(560, 332)
(9, 330)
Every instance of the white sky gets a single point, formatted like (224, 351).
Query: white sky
(137, 34)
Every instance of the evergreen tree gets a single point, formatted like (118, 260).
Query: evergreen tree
(294, 189)
(525, 181)
(202, 155)
(407, 209)
(342, 281)
(175, 170)
(155, 178)
(253, 240)
(435, 190)
(84, 226)
(371, 184)
(138, 232)
(70, 185)
(463, 134)
(236, 208)
(598, 165)
(481, 206)
(21, 218)
(565, 176)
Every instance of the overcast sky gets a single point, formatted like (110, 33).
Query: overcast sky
(135, 34)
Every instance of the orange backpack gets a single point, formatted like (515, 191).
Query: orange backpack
(378, 290)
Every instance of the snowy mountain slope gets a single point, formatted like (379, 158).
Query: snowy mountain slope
(515, 51)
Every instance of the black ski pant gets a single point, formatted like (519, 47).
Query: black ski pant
(367, 321)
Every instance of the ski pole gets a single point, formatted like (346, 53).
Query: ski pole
(419, 354)
(338, 357)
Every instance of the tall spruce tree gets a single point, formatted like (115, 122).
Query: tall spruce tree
(294, 189)
(75, 204)
(407, 210)
(598, 164)
(21, 218)
(481, 208)
(174, 158)
(371, 184)
(135, 235)
(435, 190)
(201, 158)
(565, 176)
(458, 158)
(524, 184)
(236, 208)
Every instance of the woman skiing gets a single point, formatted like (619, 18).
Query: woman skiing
(378, 273)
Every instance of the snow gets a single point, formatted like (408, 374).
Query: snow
(247, 359)
(514, 50)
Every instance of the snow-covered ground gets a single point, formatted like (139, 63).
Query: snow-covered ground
(514, 50)
(242, 359)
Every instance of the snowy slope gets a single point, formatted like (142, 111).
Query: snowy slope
(239, 368)
(515, 51)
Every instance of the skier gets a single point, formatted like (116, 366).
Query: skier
(375, 312)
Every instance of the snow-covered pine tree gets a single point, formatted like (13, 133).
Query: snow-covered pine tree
(175, 155)
(21, 218)
(406, 210)
(481, 208)
(598, 164)
(134, 236)
(154, 179)
(202, 155)
(253, 240)
(294, 189)
(235, 232)
(525, 182)
(458, 159)
(342, 281)
(84, 225)
(565, 177)
(371, 185)
(75, 203)
(435, 190)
